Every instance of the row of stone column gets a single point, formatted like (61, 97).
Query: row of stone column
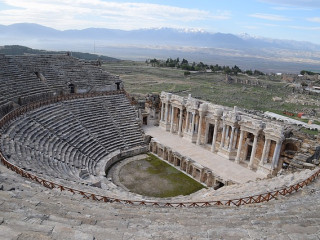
(230, 145)
(165, 114)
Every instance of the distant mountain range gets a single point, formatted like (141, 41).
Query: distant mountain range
(221, 48)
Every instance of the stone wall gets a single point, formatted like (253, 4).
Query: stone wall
(251, 82)
(187, 165)
(117, 156)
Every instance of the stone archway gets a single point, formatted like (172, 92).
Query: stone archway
(184, 166)
(204, 178)
(289, 149)
(178, 162)
(249, 142)
(190, 170)
(72, 88)
(210, 133)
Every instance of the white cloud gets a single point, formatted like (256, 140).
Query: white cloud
(251, 27)
(271, 17)
(306, 28)
(314, 19)
(314, 4)
(66, 14)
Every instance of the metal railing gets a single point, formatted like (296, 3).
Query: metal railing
(259, 198)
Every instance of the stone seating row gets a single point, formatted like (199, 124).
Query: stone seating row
(16, 82)
(40, 163)
(32, 211)
(74, 135)
(97, 122)
(262, 186)
(43, 139)
(53, 169)
(59, 69)
(45, 142)
(29, 78)
(119, 108)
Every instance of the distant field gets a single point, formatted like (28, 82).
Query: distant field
(138, 77)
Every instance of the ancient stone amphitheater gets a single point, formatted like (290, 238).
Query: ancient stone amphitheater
(64, 121)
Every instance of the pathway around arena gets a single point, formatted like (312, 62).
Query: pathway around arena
(219, 165)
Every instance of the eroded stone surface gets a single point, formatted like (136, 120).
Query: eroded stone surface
(50, 214)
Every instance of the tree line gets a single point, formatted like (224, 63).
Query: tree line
(188, 66)
(305, 72)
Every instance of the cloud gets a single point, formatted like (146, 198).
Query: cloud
(314, 4)
(306, 28)
(314, 19)
(271, 17)
(66, 14)
(250, 27)
(288, 8)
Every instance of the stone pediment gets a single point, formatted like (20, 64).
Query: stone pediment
(165, 96)
(178, 100)
(251, 125)
(274, 131)
(232, 117)
(192, 104)
(203, 107)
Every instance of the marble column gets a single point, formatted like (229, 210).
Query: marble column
(226, 137)
(223, 136)
(276, 154)
(187, 122)
(166, 113)
(239, 147)
(172, 118)
(162, 111)
(265, 151)
(180, 122)
(214, 139)
(231, 139)
(235, 138)
(199, 129)
(253, 152)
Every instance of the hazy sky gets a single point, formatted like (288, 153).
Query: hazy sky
(282, 19)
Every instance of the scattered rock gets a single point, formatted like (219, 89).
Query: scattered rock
(308, 165)
(277, 99)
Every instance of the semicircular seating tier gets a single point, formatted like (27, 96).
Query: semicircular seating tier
(30, 78)
(68, 139)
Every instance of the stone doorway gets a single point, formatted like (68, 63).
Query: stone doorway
(210, 133)
(72, 88)
(249, 152)
(145, 120)
(218, 185)
(178, 162)
(250, 139)
(118, 85)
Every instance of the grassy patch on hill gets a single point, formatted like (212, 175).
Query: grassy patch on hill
(309, 131)
(138, 77)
